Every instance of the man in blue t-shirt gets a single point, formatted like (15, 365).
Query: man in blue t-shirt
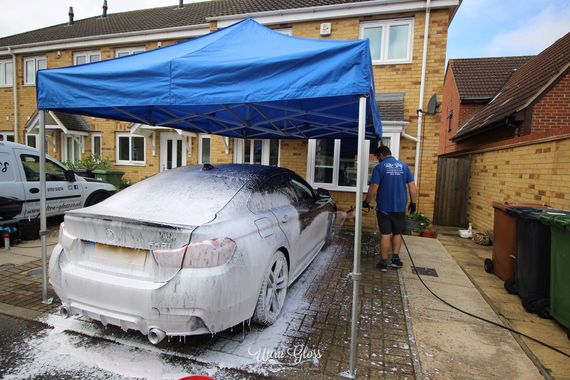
(391, 180)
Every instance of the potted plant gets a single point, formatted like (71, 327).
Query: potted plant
(416, 222)
(429, 232)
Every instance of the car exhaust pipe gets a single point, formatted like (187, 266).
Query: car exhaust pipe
(65, 312)
(155, 336)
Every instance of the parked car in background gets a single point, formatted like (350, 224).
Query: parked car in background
(191, 250)
(20, 186)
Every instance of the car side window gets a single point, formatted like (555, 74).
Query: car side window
(31, 166)
(303, 190)
(273, 193)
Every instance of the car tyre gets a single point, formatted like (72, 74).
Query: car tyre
(273, 290)
(331, 231)
(96, 198)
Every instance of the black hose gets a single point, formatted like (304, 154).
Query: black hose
(476, 316)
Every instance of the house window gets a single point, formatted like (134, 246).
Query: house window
(7, 136)
(390, 40)
(123, 52)
(332, 163)
(31, 66)
(86, 57)
(450, 121)
(204, 149)
(32, 140)
(256, 151)
(130, 149)
(6, 74)
(72, 148)
(96, 145)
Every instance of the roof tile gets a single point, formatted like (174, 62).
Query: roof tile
(528, 82)
(158, 18)
(482, 78)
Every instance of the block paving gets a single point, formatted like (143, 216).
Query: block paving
(320, 325)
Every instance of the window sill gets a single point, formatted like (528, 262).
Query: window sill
(376, 63)
(129, 163)
(29, 85)
(340, 189)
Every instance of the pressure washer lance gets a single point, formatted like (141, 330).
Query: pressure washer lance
(7, 241)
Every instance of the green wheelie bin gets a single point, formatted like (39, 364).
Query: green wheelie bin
(559, 266)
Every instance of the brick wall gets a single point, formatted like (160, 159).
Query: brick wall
(536, 173)
(552, 111)
(388, 78)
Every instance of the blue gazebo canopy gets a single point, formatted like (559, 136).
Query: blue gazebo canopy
(241, 81)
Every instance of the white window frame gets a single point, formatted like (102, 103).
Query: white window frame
(130, 161)
(87, 55)
(93, 136)
(6, 81)
(200, 138)
(129, 50)
(6, 134)
(240, 146)
(391, 130)
(36, 135)
(386, 24)
(35, 61)
(336, 163)
(77, 139)
(286, 31)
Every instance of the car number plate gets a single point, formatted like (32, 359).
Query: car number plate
(129, 256)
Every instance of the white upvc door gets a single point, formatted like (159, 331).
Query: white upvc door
(173, 151)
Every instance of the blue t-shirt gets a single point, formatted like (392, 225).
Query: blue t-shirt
(391, 176)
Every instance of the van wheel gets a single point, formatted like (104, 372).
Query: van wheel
(96, 198)
(273, 291)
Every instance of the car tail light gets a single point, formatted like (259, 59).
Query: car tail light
(209, 253)
(171, 258)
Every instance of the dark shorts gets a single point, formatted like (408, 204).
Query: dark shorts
(391, 222)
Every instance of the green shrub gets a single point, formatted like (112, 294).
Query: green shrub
(92, 162)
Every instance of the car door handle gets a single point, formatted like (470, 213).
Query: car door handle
(284, 218)
(34, 190)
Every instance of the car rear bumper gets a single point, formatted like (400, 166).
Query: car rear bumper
(195, 301)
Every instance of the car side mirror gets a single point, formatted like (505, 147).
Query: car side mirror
(69, 176)
(323, 193)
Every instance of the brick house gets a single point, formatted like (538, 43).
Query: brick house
(400, 53)
(504, 141)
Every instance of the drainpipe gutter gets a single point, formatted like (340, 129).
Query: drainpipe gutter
(421, 103)
(406, 136)
(14, 93)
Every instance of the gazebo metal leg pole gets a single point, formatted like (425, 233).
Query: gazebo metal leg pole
(356, 275)
(43, 222)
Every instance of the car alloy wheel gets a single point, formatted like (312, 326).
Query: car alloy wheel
(273, 291)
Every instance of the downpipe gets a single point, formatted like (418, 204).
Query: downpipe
(155, 336)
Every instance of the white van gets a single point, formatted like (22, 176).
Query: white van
(20, 186)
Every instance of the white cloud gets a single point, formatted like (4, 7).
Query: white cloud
(540, 32)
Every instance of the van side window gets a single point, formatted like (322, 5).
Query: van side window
(31, 166)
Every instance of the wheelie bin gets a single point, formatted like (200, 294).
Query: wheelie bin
(532, 263)
(502, 263)
(559, 266)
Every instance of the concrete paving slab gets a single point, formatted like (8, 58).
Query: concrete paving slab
(452, 345)
(470, 258)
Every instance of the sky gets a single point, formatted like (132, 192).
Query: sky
(481, 28)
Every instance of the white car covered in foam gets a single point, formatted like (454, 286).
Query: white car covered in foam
(192, 250)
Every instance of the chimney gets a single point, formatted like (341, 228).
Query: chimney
(180, 4)
(70, 16)
(104, 15)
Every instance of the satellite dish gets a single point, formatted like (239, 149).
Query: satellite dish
(432, 105)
